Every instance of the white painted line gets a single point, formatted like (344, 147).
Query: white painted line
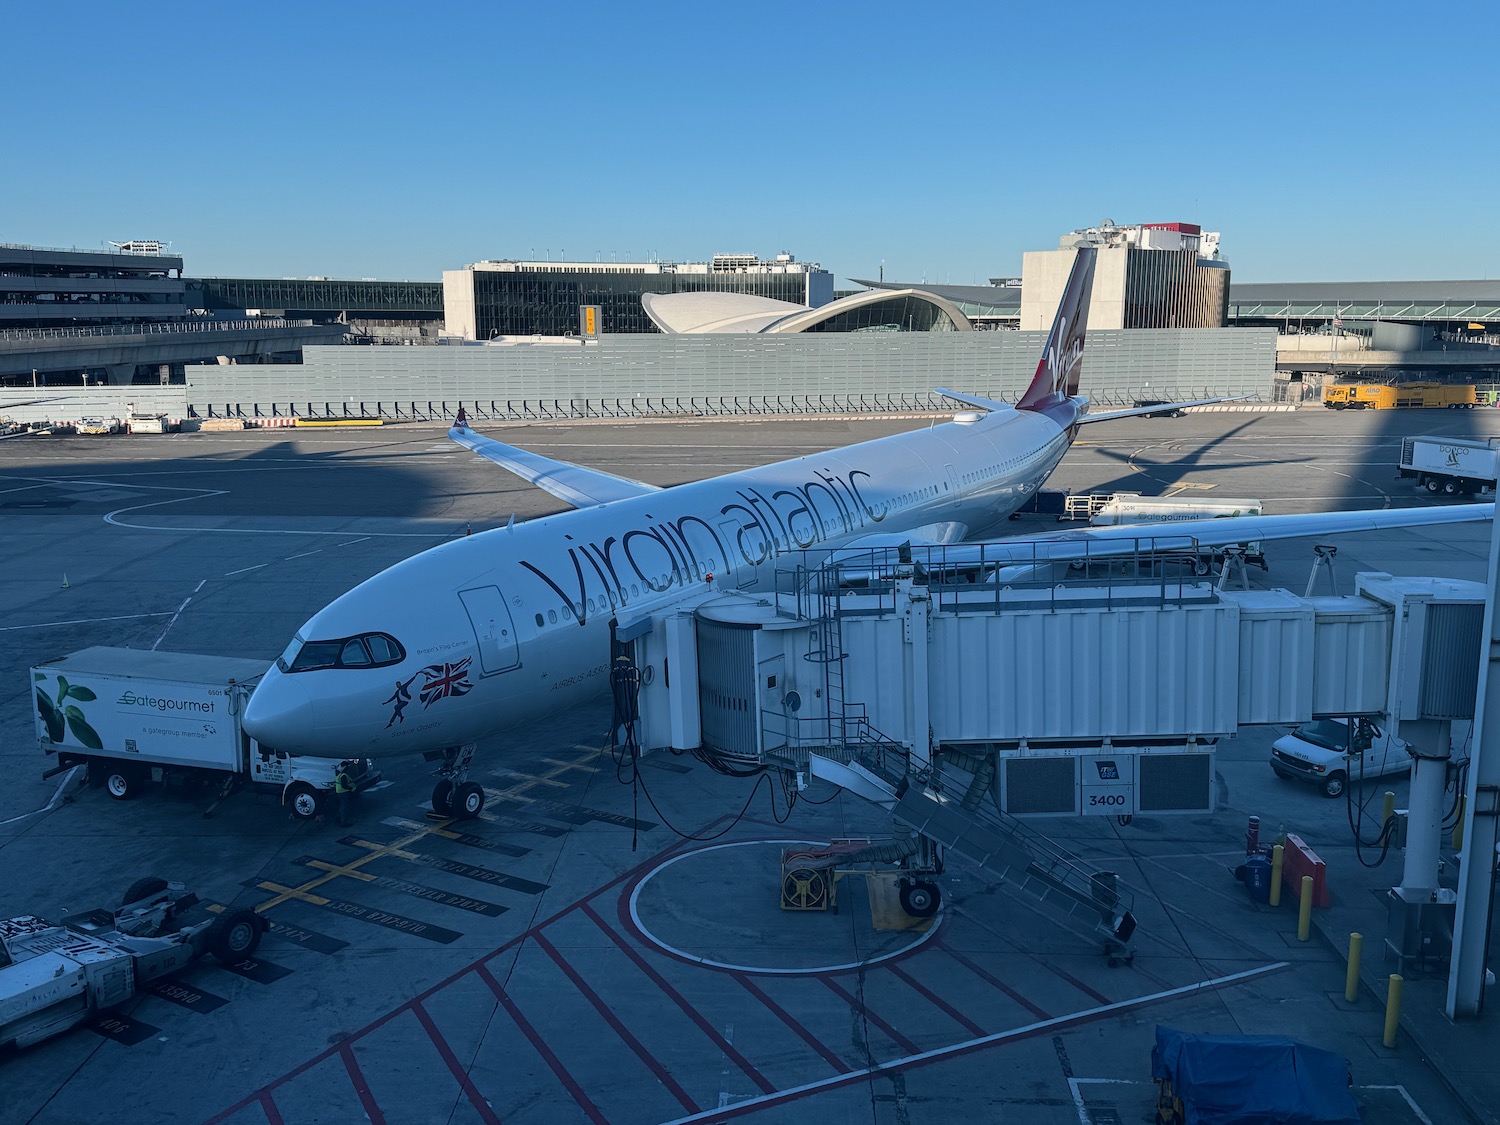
(22, 488)
(1076, 1084)
(198, 587)
(1411, 1103)
(244, 570)
(81, 621)
(757, 970)
(351, 542)
(304, 554)
(57, 796)
(1029, 1029)
(172, 622)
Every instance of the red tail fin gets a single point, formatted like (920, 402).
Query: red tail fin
(1062, 359)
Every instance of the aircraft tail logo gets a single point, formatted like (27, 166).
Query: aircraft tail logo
(1057, 374)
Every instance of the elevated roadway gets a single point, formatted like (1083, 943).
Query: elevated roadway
(114, 352)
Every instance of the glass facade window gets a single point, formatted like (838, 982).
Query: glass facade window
(546, 302)
(899, 314)
(1173, 289)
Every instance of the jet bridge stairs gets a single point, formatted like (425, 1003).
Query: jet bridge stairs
(951, 805)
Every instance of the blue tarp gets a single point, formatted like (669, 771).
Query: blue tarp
(1253, 1079)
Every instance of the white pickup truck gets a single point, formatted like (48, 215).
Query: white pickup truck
(1320, 752)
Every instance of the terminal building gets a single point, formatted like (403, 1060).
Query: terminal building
(491, 299)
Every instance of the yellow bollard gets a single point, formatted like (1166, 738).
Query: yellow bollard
(1458, 824)
(1304, 910)
(1351, 979)
(1388, 809)
(1392, 1009)
(1278, 855)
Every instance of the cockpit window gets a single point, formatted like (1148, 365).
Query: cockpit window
(369, 650)
(354, 654)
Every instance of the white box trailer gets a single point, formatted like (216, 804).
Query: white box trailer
(134, 716)
(1133, 508)
(1452, 466)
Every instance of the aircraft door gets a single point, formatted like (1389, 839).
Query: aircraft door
(775, 717)
(493, 629)
(954, 490)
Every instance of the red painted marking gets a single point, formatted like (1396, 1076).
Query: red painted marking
(661, 982)
(486, 1114)
(786, 1017)
(570, 1084)
(273, 1115)
(937, 1001)
(652, 1063)
(997, 983)
(858, 1005)
(366, 1099)
(943, 1054)
(303, 1068)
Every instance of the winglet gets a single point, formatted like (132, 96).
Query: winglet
(461, 421)
(1056, 376)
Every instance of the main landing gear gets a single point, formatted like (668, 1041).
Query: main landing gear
(454, 795)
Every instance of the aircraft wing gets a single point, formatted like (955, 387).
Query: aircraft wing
(1129, 539)
(1159, 408)
(581, 487)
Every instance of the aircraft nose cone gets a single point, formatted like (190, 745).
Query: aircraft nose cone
(280, 714)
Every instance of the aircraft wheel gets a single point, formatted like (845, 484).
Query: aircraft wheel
(442, 798)
(920, 898)
(235, 935)
(467, 800)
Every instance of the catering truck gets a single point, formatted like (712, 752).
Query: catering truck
(133, 716)
(1120, 508)
(1453, 466)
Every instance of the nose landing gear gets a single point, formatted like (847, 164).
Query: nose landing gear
(454, 796)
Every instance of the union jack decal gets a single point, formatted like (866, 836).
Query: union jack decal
(443, 680)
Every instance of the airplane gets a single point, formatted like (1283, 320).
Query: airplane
(486, 632)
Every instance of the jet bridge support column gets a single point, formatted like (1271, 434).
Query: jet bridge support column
(1476, 878)
(914, 602)
(1430, 741)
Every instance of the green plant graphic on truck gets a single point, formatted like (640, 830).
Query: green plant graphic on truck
(55, 715)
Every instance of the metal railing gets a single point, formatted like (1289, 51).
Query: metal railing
(161, 328)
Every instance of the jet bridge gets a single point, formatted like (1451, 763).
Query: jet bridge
(963, 704)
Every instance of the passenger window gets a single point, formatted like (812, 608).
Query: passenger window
(540, 621)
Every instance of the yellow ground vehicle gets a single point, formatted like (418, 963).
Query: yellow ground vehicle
(1384, 396)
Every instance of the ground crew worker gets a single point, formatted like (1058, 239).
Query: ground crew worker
(343, 792)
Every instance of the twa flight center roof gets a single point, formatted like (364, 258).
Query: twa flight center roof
(879, 310)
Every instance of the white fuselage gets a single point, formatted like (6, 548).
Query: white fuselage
(510, 625)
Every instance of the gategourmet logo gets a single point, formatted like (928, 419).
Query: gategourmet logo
(159, 703)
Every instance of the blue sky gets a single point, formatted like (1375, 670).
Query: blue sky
(1326, 142)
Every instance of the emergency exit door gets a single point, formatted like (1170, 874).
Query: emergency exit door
(493, 629)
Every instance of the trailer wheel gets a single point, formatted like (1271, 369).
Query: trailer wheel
(143, 888)
(1450, 487)
(1433, 485)
(442, 797)
(235, 935)
(124, 781)
(468, 800)
(919, 898)
(302, 800)
(1201, 566)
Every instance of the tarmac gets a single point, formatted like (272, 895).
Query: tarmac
(607, 943)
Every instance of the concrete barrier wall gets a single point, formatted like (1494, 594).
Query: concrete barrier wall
(628, 375)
